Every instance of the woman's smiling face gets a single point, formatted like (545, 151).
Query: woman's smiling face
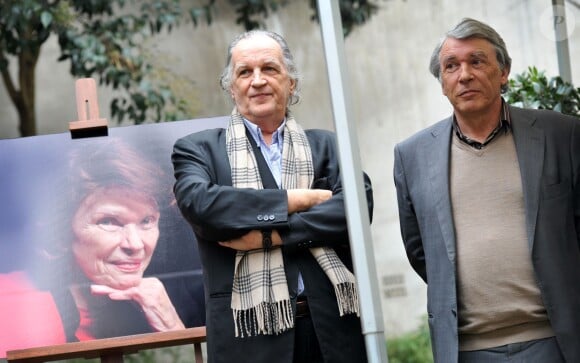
(115, 233)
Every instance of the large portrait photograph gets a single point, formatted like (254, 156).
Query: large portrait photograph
(92, 244)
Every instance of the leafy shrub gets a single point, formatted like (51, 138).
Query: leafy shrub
(414, 347)
(532, 89)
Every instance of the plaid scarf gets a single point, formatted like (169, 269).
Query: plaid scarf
(260, 298)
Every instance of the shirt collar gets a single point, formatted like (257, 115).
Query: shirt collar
(256, 132)
(503, 124)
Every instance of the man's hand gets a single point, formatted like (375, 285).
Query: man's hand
(251, 241)
(304, 199)
(150, 294)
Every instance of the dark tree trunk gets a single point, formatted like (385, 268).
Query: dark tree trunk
(26, 102)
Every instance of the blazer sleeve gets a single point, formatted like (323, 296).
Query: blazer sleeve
(576, 176)
(324, 224)
(409, 224)
(216, 210)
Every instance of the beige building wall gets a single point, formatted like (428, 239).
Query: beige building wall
(393, 94)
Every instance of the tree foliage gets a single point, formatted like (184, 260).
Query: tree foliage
(352, 12)
(101, 39)
(104, 39)
(533, 89)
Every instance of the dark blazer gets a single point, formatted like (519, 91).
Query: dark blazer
(548, 148)
(217, 212)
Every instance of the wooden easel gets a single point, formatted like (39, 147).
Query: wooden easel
(110, 350)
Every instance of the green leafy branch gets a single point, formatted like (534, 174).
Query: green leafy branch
(533, 89)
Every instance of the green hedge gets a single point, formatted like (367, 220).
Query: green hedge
(414, 347)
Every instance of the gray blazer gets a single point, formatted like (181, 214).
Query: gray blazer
(216, 211)
(548, 148)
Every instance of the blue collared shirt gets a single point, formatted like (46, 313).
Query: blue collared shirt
(273, 152)
(273, 155)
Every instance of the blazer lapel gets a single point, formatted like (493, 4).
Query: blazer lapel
(438, 155)
(530, 145)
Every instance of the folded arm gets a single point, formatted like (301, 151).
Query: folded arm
(220, 212)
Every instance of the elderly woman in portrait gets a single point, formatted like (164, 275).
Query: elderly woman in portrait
(112, 230)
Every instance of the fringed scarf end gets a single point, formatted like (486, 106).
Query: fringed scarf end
(264, 319)
(347, 298)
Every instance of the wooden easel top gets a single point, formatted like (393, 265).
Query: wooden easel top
(89, 123)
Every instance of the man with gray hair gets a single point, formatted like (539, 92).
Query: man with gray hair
(489, 209)
(265, 200)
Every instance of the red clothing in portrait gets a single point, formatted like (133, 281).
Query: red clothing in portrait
(28, 316)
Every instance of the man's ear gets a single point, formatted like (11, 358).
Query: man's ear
(505, 73)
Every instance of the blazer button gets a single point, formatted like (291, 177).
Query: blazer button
(272, 217)
(260, 217)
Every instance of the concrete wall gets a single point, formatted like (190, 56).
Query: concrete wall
(393, 94)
